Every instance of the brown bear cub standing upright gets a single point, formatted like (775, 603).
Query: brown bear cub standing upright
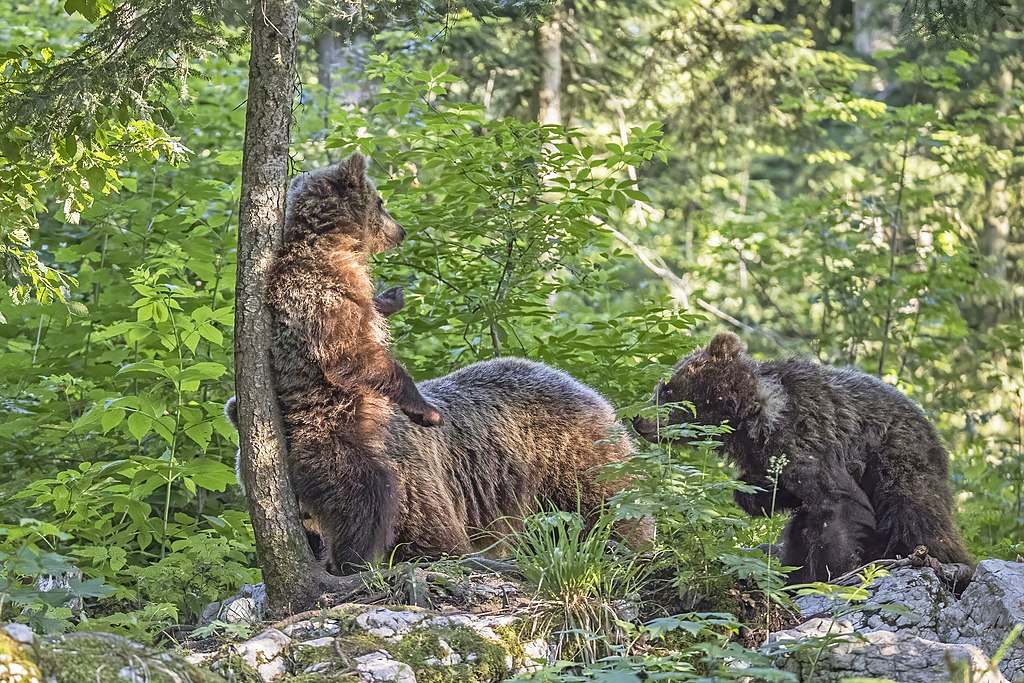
(465, 452)
(865, 473)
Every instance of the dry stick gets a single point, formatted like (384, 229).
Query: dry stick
(919, 558)
(1020, 446)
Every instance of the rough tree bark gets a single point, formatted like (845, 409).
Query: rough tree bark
(293, 578)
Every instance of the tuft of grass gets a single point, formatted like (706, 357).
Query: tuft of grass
(588, 584)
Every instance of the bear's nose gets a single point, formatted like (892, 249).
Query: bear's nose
(401, 233)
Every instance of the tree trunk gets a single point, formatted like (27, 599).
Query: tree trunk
(293, 578)
(549, 94)
(996, 236)
(874, 26)
(328, 50)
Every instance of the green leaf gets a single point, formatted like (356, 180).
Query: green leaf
(200, 371)
(960, 58)
(90, 588)
(139, 424)
(211, 474)
(201, 433)
(111, 417)
(118, 558)
(92, 10)
(212, 334)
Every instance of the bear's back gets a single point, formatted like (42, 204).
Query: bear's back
(843, 404)
(514, 432)
(850, 387)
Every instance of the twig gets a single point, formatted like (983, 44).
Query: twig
(677, 286)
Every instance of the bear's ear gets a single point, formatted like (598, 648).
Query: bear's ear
(725, 346)
(349, 174)
(355, 166)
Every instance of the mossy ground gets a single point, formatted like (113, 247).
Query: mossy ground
(11, 652)
(480, 660)
(234, 669)
(436, 653)
(100, 658)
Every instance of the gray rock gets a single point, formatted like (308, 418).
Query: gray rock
(326, 641)
(265, 653)
(539, 652)
(388, 623)
(990, 606)
(378, 667)
(842, 653)
(241, 611)
(133, 674)
(302, 629)
(908, 600)
(247, 606)
(61, 582)
(20, 633)
(200, 658)
(394, 624)
(322, 667)
(483, 625)
(14, 672)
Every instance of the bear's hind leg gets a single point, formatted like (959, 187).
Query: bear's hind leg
(829, 536)
(914, 502)
(351, 493)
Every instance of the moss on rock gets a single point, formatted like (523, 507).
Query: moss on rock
(337, 658)
(325, 678)
(304, 656)
(435, 653)
(106, 658)
(359, 643)
(451, 654)
(15, 666)
(234, 668)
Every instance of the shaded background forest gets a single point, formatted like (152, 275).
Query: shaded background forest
(592, 184)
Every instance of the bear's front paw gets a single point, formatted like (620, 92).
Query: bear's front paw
(425, 415)
(390, 301)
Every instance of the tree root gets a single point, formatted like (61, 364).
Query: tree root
(412, 582)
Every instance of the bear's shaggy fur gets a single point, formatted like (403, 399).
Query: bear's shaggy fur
(373, 479)
(866, 475)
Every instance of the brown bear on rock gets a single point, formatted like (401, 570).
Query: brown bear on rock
(866, 476)
(463, 453)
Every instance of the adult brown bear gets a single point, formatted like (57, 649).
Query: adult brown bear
(463, 456)
(866, 475)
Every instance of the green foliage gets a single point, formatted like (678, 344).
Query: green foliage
(700, 532)
(739, 160)
(707, 653)
(508, 231)
(44, 607)
(586, 587)
(61, 143)
(116, 435)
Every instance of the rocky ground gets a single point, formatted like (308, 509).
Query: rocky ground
(912, 627)
(480, 629)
